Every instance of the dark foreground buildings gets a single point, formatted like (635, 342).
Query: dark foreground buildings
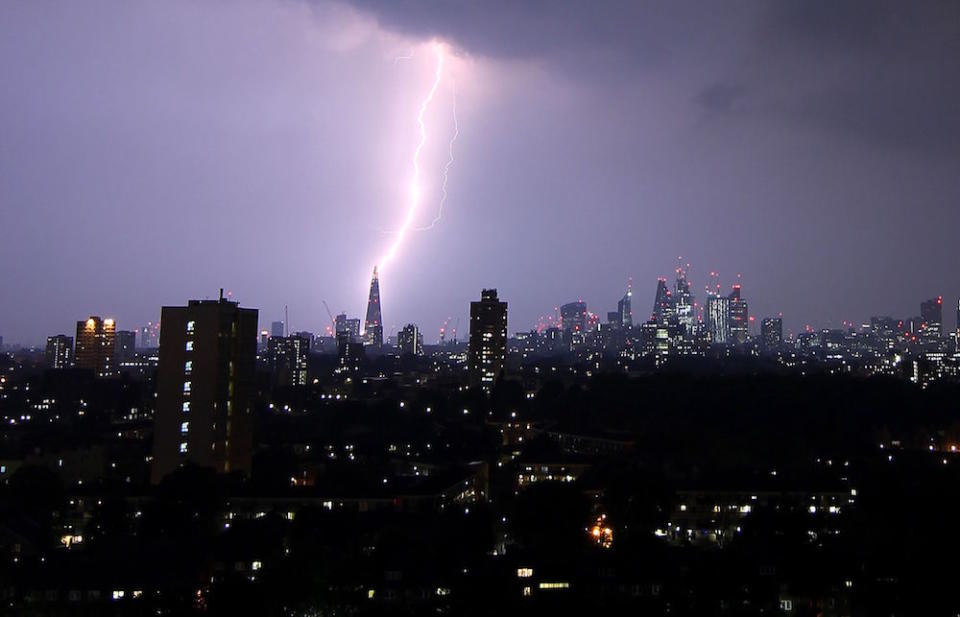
(205, 387)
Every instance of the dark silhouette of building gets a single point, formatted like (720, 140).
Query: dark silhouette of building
(351, 327)
(771, 333)
(488, 339)
(96, 346)
(739, 317)
(288, 357)
(624, 308)
(663, 309)
(276, 328)
(410, 340)
(573, 319)
(373, 326)
(59, 353)
(931, 319)
(205, 387)
(126, 345)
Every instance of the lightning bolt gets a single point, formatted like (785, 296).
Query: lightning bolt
(415, 191)
(446, 168)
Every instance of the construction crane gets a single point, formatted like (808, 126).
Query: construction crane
(333, 322)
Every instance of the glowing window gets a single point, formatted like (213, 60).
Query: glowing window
(186, 406)
(186, 386)
(183, 447)
(191, 325)
(189, 345)
(188, 367)
(184, 427)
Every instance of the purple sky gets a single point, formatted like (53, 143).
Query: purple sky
(152, 152)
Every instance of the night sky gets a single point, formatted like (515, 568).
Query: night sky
(153, 152)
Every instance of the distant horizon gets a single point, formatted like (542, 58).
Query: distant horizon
(152, 153)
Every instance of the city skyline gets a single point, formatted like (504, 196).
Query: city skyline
(592, 147)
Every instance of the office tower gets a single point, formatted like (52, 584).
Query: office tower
(276, 328)
(205, 387)
(287, 357)
(683, 300)
(351, 327)
(739, 317)
(931, 319)
(958, 321)
(59, 351)
(718, 318)
(126, 345)
(488, 339)
(150, 335)
(663, 309)
(410, 340)
(373, 326)
(624, 308)
(95, 346)
(573, 319)
(264, 339)
(771, 333)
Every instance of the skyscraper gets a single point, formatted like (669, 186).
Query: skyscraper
(288, 359)
(739, 317)
(205, 387)
(59, 351)
(373, 326)
(718, 318)
(276, 328)
(771, 333)
(624, 308)
(95, 346)
(488, 339)
(663, 309)
(573, 318)
(410, 340)
(683, 300)
(931, 319)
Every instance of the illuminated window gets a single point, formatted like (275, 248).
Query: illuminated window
(188, 367)
(186, 406)
(189, 345)
(554, 585)
(191, 325)
(183, 447)
(186, 387)
(184, 427)
(524, 572)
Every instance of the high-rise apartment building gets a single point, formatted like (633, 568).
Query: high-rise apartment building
(410, 340)
(488, 339)
(288, 359)
(59, 352)
(96, 346)
(205, 387)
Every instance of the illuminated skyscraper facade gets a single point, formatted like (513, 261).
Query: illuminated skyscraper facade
(410, 340)
(771, 333)
(288, 358)
(718, 318)
(739, 319)
(96, 346)
(205, 387)
(931, 319)
(373, 326)
(488, 339)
